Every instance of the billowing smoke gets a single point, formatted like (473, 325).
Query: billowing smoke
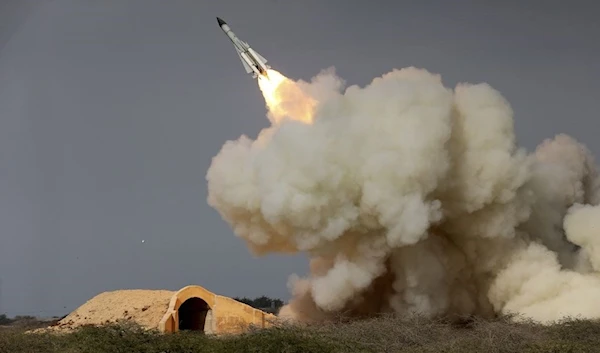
(410, 197)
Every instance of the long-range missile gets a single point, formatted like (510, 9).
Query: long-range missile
(253, 62)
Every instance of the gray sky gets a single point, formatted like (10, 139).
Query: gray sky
(110, 113)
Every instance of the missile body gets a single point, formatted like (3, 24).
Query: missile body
(253, 62)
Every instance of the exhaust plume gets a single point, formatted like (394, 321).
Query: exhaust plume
(410, 197)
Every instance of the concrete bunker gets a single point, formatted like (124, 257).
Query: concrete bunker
(195, 308)
(191, 308)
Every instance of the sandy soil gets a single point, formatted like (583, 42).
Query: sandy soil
(145, 307)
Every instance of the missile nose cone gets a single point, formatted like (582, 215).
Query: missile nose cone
(221, 22)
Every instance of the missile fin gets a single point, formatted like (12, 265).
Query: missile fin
(257, 55)
(246, 66)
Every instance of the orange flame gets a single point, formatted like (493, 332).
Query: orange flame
(285, 99)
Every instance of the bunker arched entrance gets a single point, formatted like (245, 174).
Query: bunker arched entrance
(195, 315)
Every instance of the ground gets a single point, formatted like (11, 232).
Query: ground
(383, 334)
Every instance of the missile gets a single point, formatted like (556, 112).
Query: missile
(253, 62)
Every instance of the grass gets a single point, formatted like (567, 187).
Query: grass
(383, 334)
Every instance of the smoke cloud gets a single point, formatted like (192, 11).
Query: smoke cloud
(410, 197)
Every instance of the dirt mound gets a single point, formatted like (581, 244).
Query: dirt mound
(144, 307)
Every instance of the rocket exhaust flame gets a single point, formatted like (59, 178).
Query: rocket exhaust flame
(410, 197)
(285, 99)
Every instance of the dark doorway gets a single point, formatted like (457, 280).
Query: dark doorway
(192, 314)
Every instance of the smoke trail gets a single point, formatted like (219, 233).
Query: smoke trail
(410, 197)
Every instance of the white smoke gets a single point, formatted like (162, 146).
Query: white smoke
(411, 197)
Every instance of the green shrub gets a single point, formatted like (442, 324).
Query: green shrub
(382, 334)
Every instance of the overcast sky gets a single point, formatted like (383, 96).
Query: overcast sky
(110, 113)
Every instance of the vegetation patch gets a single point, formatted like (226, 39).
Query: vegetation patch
(381, 334)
